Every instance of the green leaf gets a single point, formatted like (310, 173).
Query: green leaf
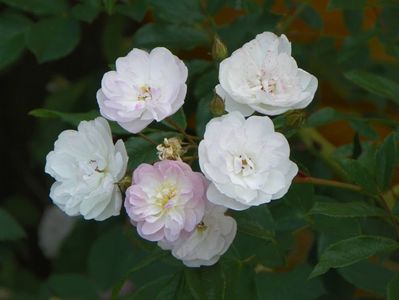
(86, 11)
(179, 118)
(111, 257)
(359, 175)
(72, 287)
(255, 231)
(346, 209)
(53, 38)
(171, 36)
(203, 116)
(235, 34)
(71, 118)
(74, 118)
(141, 151)
(109, 6)
(375, 84)
(39, 7)
(9, 228)
(151, 258)
(363, 129)
(352, 250)
(329, 115)
(178, 11)
(114, 41)
(343, 4)
(375, 281)
(240, 280)
(289, 285)
(135, 9)
(323, 116)
(12, 42)
(256, 222)
(206, 283)
(300, 197)
(393, 288)
(170, 290)
(386, 162)
(153, 288)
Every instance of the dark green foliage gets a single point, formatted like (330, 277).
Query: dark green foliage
(320, 241)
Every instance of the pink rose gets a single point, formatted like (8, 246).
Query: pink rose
(165, 200)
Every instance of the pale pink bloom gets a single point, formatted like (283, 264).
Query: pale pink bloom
(165, 199)
(144, 87)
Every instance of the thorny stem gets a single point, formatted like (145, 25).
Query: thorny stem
(181, 130)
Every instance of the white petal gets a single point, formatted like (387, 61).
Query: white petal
(216, 197)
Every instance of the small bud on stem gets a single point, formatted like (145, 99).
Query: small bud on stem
(219, 50)
(217, 106)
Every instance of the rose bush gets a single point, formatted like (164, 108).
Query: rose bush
(237, 180)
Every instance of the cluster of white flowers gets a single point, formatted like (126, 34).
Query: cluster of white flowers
(244, 162)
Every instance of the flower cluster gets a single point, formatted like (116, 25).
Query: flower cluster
(244, 162)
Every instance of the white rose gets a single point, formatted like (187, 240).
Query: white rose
(87, 167)
(144, 87)
(262, 76)
(246, 161)
(207, 242)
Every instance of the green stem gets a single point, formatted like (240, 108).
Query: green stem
(172, 122)
(143, 136)
(321, 147)
(390, 214)
(327, 182)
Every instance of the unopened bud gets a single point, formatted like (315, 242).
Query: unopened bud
(125, 183)
(295, 118)
(217, 106)
(219, 50)
(170, 149)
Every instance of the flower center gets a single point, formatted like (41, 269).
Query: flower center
(166, 195)
(201, 227)
(243, 165)
(145, 93)
(269, 85)
(91, 167)
(94, 165)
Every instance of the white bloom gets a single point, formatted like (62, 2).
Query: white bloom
(262, 76)
(144, 87)
(87, 166)
(209, 240)
(245, 160)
